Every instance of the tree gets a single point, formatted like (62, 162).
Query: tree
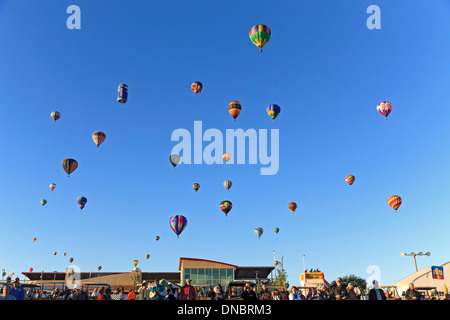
(280, 278)
(357, 281)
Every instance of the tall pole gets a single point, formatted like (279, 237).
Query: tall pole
(415, 262)
(304, 268)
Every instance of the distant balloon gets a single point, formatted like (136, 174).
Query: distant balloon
(276, 230)
(122, 96)
(135, 262)
(227, 184)
(54, 253)
(395, 202)
(292, 206)
(384, 108)
(178, 223)
(99, 268)
(34, 239)
(260, 34)
(52, 186)
(196, 186)
(98, 137)
(273, 110)
(196, 86)
(226, 206)
(64, 254)
(350, 179)
(226, 157)
(69, 165)
(81, 202)
(31, 269)
(275, 263)
(174, 160)
(71, 260)
(43, 202)
(55, 115)
(234, 108)
(147, 256)
(259, 232)
(157, 238)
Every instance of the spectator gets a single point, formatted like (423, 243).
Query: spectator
(249, 294)
(131, 295)
(218, 294)
(172, 293)
(95, 293)
(412, 293)
(143, 291)
(17, 290)
(187, 292)
(210, 293)
(276, 295)
(156, 292)
(376, 293)
(5, 294)
(294, 294)
(122, 294)
(65, 293)
(55, 294)
(80, 293)
(351, 292)
(284, 294)
(101, 294)
(233, 293)
(339, 292)
(264, 294)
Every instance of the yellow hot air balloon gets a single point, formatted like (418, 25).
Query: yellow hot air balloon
(135, 262)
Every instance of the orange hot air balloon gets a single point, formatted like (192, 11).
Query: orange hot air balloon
(394, 202)
(64, 254)
(54, 253)
(275, 263)
(234, 108)
(350, 179)
(157, 238)
(226, 157)
(71, 260)
(135, 262)
(292, 206)
(34, 239)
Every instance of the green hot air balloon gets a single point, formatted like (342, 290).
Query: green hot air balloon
(43, 202)
(276, 230)
(260, 34)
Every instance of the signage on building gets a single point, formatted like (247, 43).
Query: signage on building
(437, 272)
(312, 277)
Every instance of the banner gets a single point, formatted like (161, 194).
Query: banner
(437, 272)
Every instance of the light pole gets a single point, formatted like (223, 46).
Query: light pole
(413, 254)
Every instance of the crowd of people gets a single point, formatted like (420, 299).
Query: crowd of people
(156, 291)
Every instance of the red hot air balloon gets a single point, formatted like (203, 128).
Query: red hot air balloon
(31, 269)
(292, 206)
(394, 202)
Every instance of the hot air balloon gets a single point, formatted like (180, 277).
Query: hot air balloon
(196, 86)
(178, 223)
(147, 256)
(395, 202)
(54, 253)
(234, 108)
(273, 110)
(55, 115)
(227, 184)
(276, 230)
(226, 157)
(196, 186)
(122, 96)
(260, 35)
(135, 262)
(52, 186)
(69, 165)
(226, 206)
(98, 137)
(350, 179)
(384, 108)
(64, 254)
(43, 202)
(31, 269)
(71, 260)
(99, 268)
(259, 232)
(292, 206)
(174, 159)
(157, 238)
(275, 263)
(34, 239)
(81, 202)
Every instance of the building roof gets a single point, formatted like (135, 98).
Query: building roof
(204, 260)
(247, 273)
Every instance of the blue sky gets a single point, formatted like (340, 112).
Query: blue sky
(325, 69)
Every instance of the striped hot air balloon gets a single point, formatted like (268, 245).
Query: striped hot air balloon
(384, 108)
(234, 108)
(350, 179)
(292, 206)
(227, 184)
(178, 223)
(135, 262)
(196, 186)
(226, 157)
(394, 202)
(98, 137)
(196, 87)
(69, 165)
(122, 95)
(260, 34)
(55, 115)
(273, 110)
(259, 231)
(226, 206)
(81, 202)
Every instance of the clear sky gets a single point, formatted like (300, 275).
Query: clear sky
(323, 67)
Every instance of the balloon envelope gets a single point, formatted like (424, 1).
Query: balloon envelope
(157, 238)
(135, 262)
(276, 230)
(227, 184)
(178, 223)
(52, 186)
(196, 186)
(81, 202)
(43, 202)
(226, 206)
(384, 108)
(259, 231)
(234, 108)
(350, 179)
(31, 269)
(226, 157)
(394, 202)
(196, 86)
(98, 137)
(147, 256)
(55, 115)
(260, 34)
(69, 165)
(273, 110)
(174, 160)
(292, 206)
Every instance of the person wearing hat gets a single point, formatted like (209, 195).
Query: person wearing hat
(351, 292)
(376, 293)
(17, 290)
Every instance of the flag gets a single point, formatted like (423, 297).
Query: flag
(445, 289)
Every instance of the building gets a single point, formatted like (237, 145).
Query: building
(202, 273)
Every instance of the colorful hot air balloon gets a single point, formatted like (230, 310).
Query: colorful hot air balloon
(384, 108)
(122, 96)
(69, 165)
(43, 202)
(71, 260)
(157, 238)
(196, 186)
(234, 108)
(395, 202)
(64, 254)
(135, 262)
(227, 184)
(99, 268)
(147, 256)
(54, 253)
(259, 232)
(273, 110)
(174, 160)
(31, 269)
(276, 230)
(350, 179)
(98, 137)
(196, 86)
(178, 223)
(55, 115)
(81, 202)
(52, 186)
(260, 35)
(226, 157)
(34, 239)
(292, 206)
(226, 206)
